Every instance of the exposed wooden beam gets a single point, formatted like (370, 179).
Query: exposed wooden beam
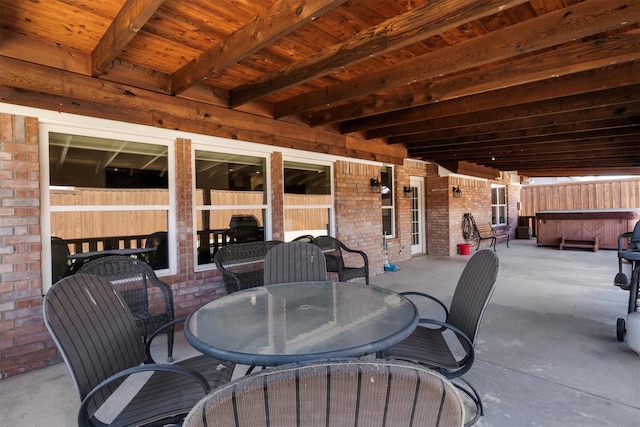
(627, 134)
(133, 15)
(418, 24)
(618, 99)
(280, 19)
(504, 85)
(23, 83)
(552, 29)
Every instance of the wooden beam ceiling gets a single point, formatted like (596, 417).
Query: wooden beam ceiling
(475, 86)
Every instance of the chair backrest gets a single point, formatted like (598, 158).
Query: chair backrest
(634, 240)
(129, 275)
(158, 240)
(294, 262)
(59, 260)
(331, 247)
(242, 264)
(308, 238)
(474, 288)
(94, 331)
(339, 393)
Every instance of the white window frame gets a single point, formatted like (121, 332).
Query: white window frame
(495, 207)
(392, 208)
(330, 206)
(103, 131)
(221, 145)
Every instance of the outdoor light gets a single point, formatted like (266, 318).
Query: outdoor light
(376, 186)
(457, 193)
(406, 191)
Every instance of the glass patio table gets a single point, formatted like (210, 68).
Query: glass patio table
(295, 322)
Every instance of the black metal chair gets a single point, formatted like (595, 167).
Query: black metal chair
(59, 259)
(307, 238)
(337, 393)
(430, 344)
(242, 264)
(294, 262)
(160, 259)
(335, 252)
(629, 252)
(99, 341)
(137, 282)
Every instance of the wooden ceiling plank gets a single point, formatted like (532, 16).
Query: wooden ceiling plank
(418, 24)
(550, 130)
(550, 143)
(572, 148)
(26, 48)
(623, 97)
(131, 18)
(555, 28)
(282, 18)
(561, 62)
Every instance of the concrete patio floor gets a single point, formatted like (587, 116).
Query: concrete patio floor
(547, 353)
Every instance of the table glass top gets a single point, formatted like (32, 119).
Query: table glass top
(292, 322)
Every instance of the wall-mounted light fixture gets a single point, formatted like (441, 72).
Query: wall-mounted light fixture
(457, 193)
(406, 191)
(376, 186)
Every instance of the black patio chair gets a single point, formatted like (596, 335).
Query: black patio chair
(99, 341)
(137, 282)
(430, 343)
(242, 264)
(307, 238)
(59, 259)
(294, 262)
(160, 259)
(630, 253)
(335, 252)
(337, 393)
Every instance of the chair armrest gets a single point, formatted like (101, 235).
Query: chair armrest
(158, 331)
(167, 293)
(83, 413)
(621, 237)
(422, 294)
(467, 361)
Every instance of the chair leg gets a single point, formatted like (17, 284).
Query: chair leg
(170, 345)
(473, 395)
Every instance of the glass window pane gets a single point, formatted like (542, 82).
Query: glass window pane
(303, 178)
(83, 161)
(224, 179)
(301, 221)
(387, 222)
(386, 182)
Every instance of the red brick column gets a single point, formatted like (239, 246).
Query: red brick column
(24, 342)
(359, 211)
(277, 196)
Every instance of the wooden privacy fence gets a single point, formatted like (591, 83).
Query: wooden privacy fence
(613, 194)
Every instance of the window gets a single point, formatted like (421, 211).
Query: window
(307, 200)
(388, 212)
(498, 204)
(230, 201)
(108, 194)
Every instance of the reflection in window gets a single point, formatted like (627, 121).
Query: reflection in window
(106, 193)
(388, 217)
(307, 199)
(498, 204)
(230, 201)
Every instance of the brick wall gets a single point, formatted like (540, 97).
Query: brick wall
(26, 345)
(23, 338)
(358, 211)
